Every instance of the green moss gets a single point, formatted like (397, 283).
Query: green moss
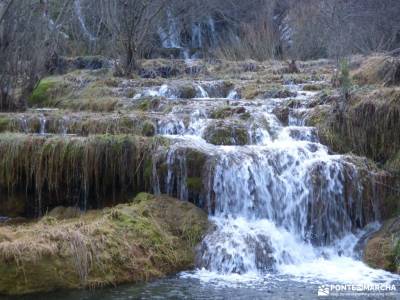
(245, 116)
(393, 164)
(4, 123)
(194, 184)
(148, 170)
(391, 206)
(41, 95)
(227, 134)
(314, 87)
(149, 129)
(187, 91)
(222, 113)
(148, 104)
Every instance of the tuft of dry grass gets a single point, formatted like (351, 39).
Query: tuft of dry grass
(378, 69)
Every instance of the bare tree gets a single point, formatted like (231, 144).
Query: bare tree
(27, 36)
(132, 24)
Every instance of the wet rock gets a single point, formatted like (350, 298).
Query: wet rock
(186, 91)
(280, 94)
(282, 113)
(225, 112)
(218, 89)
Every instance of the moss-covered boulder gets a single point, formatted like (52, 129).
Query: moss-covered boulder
(148, 238)
(47, 91)
(227, 133)
(224, 112)
(95, 90)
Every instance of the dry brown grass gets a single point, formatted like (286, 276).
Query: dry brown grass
(148, 238)
(378, 69)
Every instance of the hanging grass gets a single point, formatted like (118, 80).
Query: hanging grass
(74, 171)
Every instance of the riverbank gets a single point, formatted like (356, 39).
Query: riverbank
(148, 238)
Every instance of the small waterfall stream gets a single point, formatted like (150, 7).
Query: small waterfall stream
(281, 204)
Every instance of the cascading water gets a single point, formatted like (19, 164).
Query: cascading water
(281, 204)
(43, 122)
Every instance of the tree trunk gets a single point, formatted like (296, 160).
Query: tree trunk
(131, 62)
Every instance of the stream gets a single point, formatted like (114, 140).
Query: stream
(288, 214)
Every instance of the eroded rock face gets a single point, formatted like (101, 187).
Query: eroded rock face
(148, 238)
(382, 249)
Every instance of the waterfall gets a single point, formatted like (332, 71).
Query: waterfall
(213, 33)
(281, 204)
(201, 92)
(63, 122)
(197, 40)
(43, 122)
(170, 37)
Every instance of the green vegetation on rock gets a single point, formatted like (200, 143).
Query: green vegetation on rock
(148, 238)
(60, 168)
(227, 134)
(41, 94)
(383, 247)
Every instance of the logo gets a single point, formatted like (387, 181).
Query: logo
(323, 290)
(334, 290)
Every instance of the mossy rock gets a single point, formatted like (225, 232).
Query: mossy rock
(149, 238)
(382, 250)
(251, 91)
(314, 87)
(47, 92)
(224, 112)
(149, 129)
(226, 134)
(148, 104)
(5, 123)
(279, 93)
(187, 91)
